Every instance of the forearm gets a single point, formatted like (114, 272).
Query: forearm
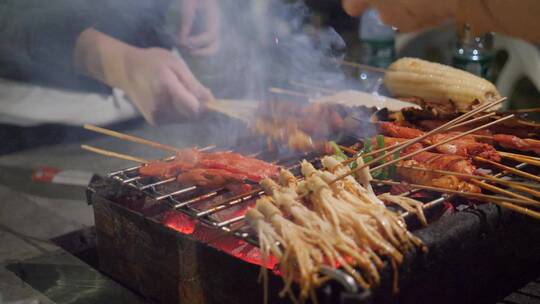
(514, 18)
(101, 57)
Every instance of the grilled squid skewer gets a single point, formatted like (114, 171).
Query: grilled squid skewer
(407, 203)
(299, 247)
(320, 222)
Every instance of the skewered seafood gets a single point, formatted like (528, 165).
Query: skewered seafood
(516, 143)
(437, 83)
(429, 118)
(305, 126)
(193, 167)
(406, 172)
(324, 223)
(432, 161)
(464, 146)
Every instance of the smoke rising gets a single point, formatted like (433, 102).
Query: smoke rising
(269, 43)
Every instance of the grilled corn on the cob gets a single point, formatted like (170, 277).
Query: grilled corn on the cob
(438, 84)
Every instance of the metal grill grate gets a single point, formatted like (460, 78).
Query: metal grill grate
(186, 199)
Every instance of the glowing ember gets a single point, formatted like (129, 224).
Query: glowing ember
(179, 222)
(216, 238)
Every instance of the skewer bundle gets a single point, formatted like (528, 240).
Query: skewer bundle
(333, 218)
(423, 168)
(319, 223)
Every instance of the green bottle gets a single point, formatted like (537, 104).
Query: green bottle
(377, 40)
(474, 54)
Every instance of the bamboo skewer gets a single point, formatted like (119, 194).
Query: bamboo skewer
(417, 151)
(492, 138)
(288, 92)
(520, 158)
(519, 209)
(479, 118)
(498, 200)
(509, 169)
(526, 189)
(479, 177)
(359, 65)
(115, 154)
(529, 110)
(529, 201)
(131, 138)
(444, 127)
(138, 140)
(312, 87)
(479, 196)
(517, 185)
(242, 111)
(435, 145)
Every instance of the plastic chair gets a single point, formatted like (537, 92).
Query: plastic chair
(523, 61)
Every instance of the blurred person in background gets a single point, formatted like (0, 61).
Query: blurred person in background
(515, 18)
(121, 44)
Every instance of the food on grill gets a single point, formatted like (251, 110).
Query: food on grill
(432, 161)
(428, 118)
(407, 203)
(438, 84)
(395, 130)
(407, 172)
(465, 146)
(516, 143)
(305, 126)
(288, 134)
(194, 167)
(320, 223)
(208, 177)
(298, 126)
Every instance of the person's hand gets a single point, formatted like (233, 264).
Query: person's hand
(406, 15)
(161, 85)
(157, 81)
(199, 29)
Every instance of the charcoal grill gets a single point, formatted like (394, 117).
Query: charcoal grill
(170, 262)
